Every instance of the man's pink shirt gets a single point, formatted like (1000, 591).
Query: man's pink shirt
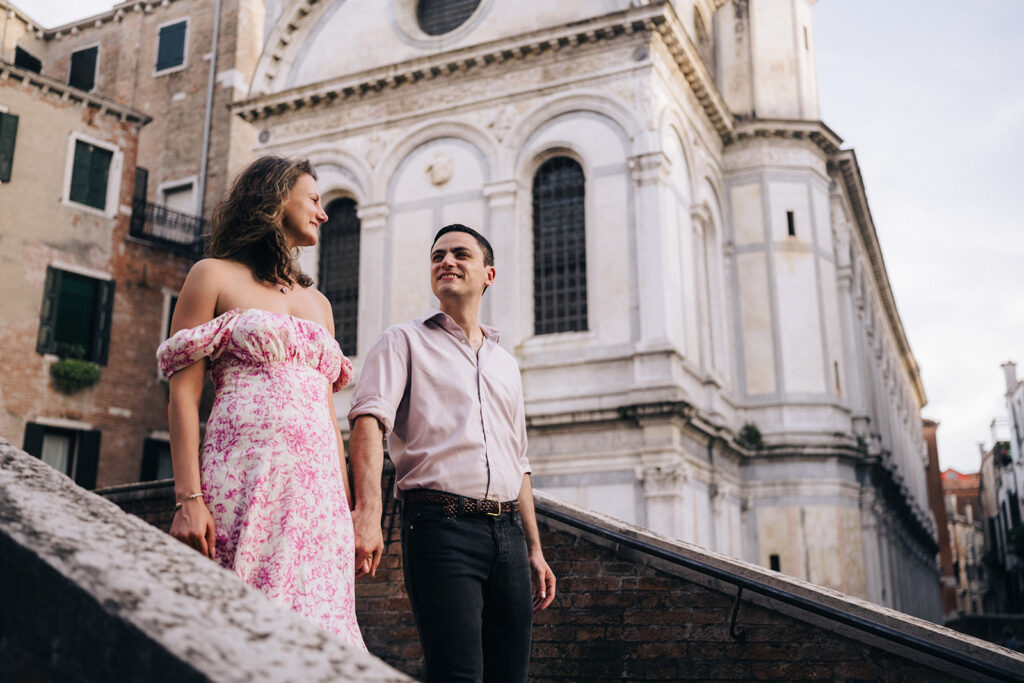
(454, 419)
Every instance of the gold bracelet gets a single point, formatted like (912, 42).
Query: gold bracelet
(177, 506)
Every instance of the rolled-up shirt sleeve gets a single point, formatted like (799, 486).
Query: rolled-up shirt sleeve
(382, 380)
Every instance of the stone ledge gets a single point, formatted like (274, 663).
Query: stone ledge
(88, 592)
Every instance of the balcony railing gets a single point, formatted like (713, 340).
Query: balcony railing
(169, 229)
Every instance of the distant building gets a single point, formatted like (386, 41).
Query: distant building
(1002, 493)
(937, 501)
(121, 142)
(967, 539)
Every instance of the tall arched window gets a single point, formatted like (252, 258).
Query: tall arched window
(339, 269)
(559, 248)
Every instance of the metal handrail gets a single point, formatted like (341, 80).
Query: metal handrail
(165, 227)
(787, 597)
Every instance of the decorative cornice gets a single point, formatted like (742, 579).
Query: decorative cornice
(815, 131)
(95, 21)
(693, 69)
(523, 46)
(845, 164)
(656, 17)
(66, 93)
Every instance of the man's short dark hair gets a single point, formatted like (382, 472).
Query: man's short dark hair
(485, 246)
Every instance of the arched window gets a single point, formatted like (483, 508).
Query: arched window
(559, 248)
(437, 17)
(339, 269)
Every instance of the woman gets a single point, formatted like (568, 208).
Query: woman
(267, 495)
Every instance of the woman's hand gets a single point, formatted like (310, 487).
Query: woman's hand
(193, 526)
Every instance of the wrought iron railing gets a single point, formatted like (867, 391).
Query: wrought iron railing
(173, 230)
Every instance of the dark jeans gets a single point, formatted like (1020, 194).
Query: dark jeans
(469, 582)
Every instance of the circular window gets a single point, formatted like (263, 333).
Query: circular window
(437, 17)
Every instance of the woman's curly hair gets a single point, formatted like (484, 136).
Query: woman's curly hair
(247, 223)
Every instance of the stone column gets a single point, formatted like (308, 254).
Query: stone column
(373, 270)
(506, 305)
(650, 176)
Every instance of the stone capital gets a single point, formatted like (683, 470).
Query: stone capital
(373, 216)
(649, 168)
(501, 193)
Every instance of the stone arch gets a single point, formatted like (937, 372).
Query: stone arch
(341, 174)
(616, 111)
(286, 41)
(484, 145)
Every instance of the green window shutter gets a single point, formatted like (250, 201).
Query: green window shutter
(101, 326)
(8, 135)
(45, 340)
(33, 443)
(99, 171)
(83, 68)
(171, 50)
(87, 458)
(80, 172)
(89, 174)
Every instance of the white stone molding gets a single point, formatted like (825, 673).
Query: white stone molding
(373, 217)
(333, 154)
(534, 120)
(485, 145)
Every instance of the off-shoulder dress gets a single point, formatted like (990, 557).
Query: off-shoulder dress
(269, 464)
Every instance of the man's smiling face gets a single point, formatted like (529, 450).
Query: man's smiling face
(457, 267)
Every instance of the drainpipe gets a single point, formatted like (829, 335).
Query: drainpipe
(211, 82)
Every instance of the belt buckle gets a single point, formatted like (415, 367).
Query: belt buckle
(494, 514)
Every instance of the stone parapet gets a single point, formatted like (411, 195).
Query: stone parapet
(627, 613)
(88, 593)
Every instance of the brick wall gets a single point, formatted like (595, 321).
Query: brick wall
(624, 615)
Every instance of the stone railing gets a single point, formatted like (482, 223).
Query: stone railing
(89, 593)
(634, 605)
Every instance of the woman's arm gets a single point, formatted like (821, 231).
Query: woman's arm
(192, 523)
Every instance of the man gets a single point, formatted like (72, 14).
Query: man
(450, 401)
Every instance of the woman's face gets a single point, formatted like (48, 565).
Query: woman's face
(303, 213)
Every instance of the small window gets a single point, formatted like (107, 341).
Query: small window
(156, 460)
(75, 317)
(8, 136)
(26, 61)
(90, 174)
(437, 17)
(171, 49)
(69, 451)
(83, 68)
(791, 223)
(180, 198)
(773, 562)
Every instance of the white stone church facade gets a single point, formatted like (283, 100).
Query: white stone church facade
(682, 250)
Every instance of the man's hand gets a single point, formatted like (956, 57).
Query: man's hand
(543, 580)
(193, 526)
(369, 541)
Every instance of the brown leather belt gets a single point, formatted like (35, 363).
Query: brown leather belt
(453, 505)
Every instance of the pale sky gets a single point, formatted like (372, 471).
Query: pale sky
(930, 94)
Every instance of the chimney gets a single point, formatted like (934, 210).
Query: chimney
(1010, 371)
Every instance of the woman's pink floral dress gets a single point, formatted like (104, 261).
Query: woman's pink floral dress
(269, 463)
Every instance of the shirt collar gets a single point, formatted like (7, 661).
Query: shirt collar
(444, 320)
